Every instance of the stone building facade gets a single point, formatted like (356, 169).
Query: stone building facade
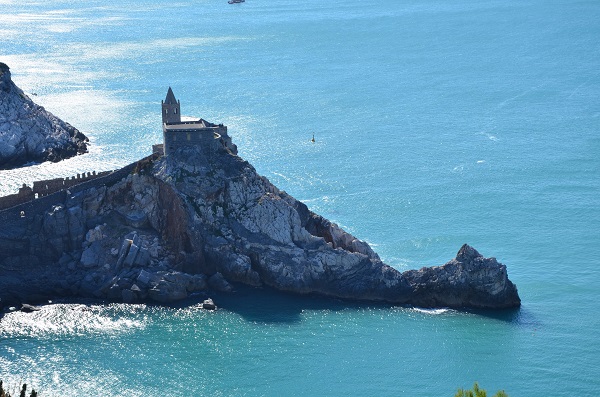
(177, 133)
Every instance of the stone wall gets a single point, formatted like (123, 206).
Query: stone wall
(174, 139)
(26, 201)
(158, 149)
(25, 194)
(15, 218)
(44, 188)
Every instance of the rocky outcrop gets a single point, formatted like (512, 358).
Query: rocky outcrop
(469, 280)
(29, 133)
(204, 219)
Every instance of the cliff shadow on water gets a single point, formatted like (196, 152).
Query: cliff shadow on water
(270, 306)
(267, 305)
(518, 317)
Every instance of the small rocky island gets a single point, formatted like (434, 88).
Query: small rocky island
(195, 216)
(29, 133)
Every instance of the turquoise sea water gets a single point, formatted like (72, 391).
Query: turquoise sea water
(436, 123)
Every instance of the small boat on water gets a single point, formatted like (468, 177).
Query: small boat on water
(236, 1)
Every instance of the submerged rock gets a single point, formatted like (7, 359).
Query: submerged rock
(29, 133)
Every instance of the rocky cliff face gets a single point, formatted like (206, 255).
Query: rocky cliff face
(203, 218)
(28, 133)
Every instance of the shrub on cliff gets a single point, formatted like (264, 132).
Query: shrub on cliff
(478, 392)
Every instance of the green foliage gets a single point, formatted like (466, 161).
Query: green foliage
(4, 393)
(478, 392)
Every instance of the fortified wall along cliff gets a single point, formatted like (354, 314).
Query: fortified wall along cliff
(176, 134)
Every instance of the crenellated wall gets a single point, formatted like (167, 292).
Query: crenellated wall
(56, 189)
(25, 194)
(46, 187)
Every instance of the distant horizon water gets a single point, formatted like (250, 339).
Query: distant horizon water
(436, 124)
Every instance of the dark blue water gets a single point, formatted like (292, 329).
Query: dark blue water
(436, 124)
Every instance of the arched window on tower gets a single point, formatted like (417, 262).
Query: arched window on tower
(175, 111)
(166, 111)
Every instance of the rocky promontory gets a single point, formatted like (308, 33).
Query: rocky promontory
(29, 133)
(203, 218)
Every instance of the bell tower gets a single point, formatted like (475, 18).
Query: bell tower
(171, 109)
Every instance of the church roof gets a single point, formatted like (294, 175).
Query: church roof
(170, 99)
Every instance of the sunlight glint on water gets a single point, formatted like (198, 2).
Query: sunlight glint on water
(436, 124)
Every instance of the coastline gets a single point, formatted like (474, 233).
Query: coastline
(201, 218)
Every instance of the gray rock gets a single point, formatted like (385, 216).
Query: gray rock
(129, 296)
(29, 133)
(114, 293)
(143, 257)
(131, 255)
(166, 292)
(218, 283)
(197, 283)
(124, 251)
(137, 219)
(208, 304)
(64, 259)
(89, 257)
(469, 280)
(144, 277)
(94, 234)
(26, 308)
(76, 225)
